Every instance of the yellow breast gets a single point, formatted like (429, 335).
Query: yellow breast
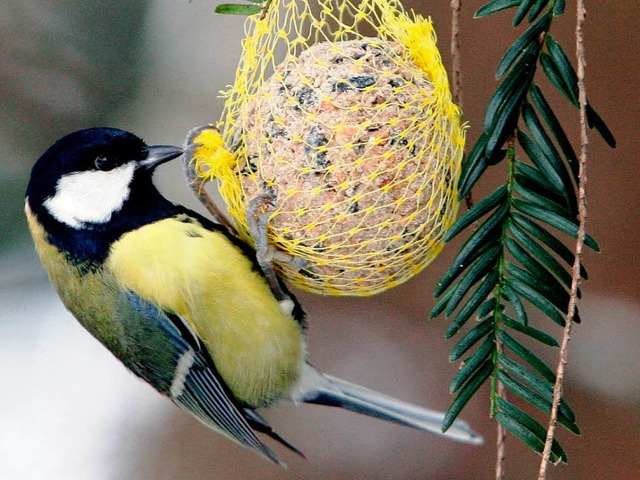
(200, 275)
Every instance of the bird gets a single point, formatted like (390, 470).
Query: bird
(177, 298)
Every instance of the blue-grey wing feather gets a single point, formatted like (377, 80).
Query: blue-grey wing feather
(195, 384)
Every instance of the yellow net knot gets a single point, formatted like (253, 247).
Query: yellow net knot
(211, 158)
(354, 136)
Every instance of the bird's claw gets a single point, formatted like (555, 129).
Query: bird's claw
(195, 182)
(190, 148)
(265, 252)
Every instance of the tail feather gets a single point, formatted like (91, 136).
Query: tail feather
(331, 391)
(260, 425)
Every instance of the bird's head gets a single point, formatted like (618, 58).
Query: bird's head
(88, 176)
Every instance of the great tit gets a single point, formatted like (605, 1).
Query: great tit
(177, 298)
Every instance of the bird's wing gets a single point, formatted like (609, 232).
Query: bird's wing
(196, 385)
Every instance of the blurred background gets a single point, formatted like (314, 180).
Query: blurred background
(68, 410)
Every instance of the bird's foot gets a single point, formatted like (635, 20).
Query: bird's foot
(195, 182)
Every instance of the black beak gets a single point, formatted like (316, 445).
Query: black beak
(159, 154)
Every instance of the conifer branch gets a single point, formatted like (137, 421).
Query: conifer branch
(456, 68)
(582, 216)
(514, 261)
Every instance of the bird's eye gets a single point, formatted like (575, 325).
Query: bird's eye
(102, 162)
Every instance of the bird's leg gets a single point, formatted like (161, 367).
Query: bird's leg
(258, 217)
(196, 183)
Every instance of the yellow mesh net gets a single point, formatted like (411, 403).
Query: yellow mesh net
(340, 112)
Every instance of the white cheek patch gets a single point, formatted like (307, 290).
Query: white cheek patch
(90, 197)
